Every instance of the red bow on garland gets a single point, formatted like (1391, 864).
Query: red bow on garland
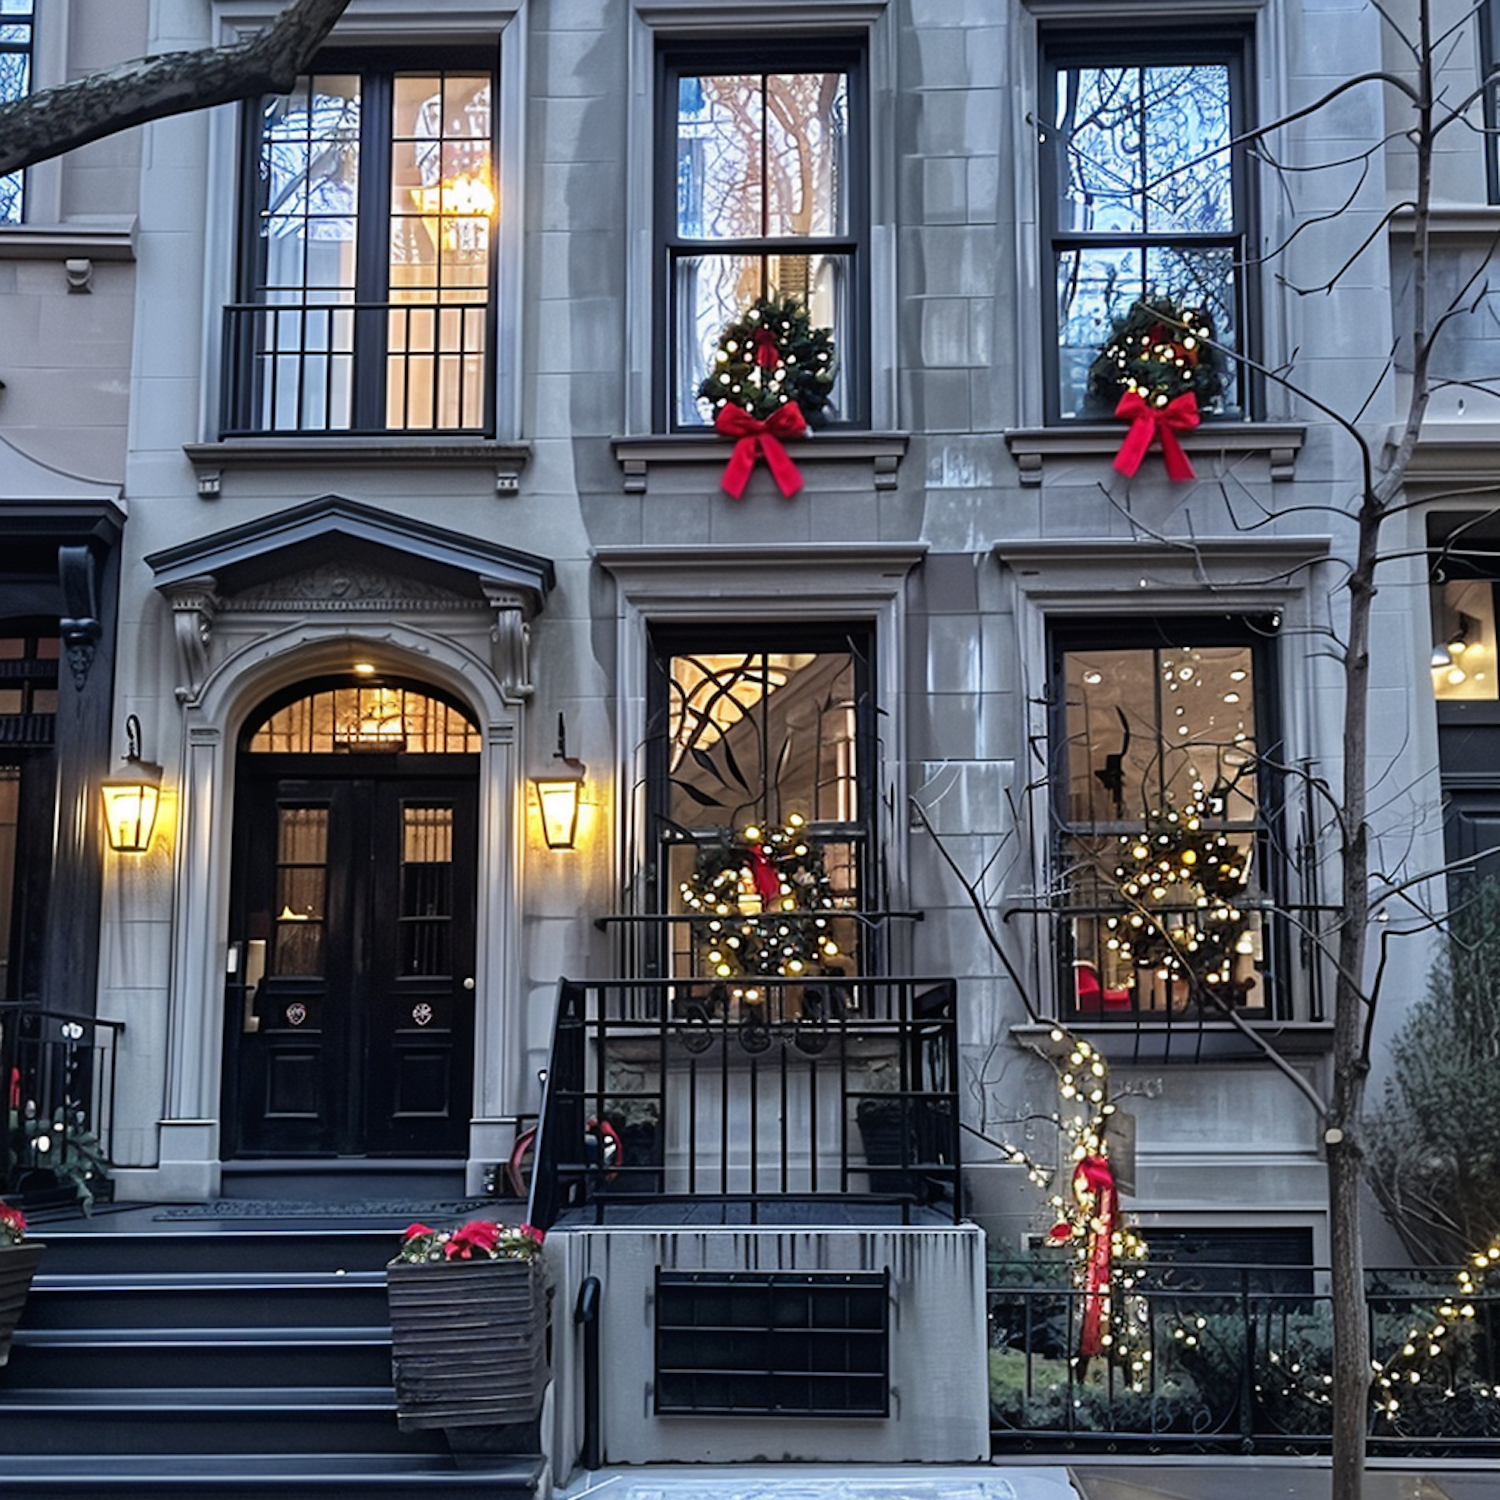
(1094, 1187)
(1148, 422)
(755, 439)
(767, 881)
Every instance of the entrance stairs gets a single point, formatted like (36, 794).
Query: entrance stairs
(170, 1353)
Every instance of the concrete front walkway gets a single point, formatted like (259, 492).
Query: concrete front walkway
(816, 1482)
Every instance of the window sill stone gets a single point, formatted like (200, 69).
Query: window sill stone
(1152, 1043)
(106, 240)
(883, 451)
(209, 460)
(1277, 442)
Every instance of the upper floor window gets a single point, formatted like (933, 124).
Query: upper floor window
(367, 279)
(15, 83)
(1143, 195)
(761, 194)
(1167, 870)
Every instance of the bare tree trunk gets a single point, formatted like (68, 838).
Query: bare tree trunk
(73, 114)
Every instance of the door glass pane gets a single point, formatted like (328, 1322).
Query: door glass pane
(301, 890)
(426, 890)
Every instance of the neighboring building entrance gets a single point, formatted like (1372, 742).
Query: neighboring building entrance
(350, 1001)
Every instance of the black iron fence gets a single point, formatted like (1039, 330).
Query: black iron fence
(833, 1090)
(1237, 1359)
(58, 1073)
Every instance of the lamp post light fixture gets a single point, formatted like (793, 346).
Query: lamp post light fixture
(130, 799)
(559, 794)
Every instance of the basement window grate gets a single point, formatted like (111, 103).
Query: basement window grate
(755, 1344)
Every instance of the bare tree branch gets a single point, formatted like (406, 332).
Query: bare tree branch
(58, 119)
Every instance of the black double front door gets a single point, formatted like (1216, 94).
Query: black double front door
(350, 996)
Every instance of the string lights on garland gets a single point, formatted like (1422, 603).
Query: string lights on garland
(1183, 880)
(767, 902)
(1159, 370)
(1106, 1249)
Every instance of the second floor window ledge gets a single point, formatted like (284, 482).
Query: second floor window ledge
(881, 451)
(1230, 444)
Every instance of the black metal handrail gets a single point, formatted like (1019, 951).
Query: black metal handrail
(347, 368)
(1237, 1359)
(819, 1090)
(58, 1072)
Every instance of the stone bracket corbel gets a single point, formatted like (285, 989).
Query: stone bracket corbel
(511, 635)
(195, 604)
(80, 628)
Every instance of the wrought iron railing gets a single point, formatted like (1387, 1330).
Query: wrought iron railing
(829, 1090)
(357, 367)
(1239, 1360)
(58, 1073)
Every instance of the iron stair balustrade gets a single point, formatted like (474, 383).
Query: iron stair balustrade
(833, 1091)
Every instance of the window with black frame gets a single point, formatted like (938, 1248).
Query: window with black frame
(16, 38)
(1144, 198)
(367, 273)
(1164, 799)
(761, 766)
(761, 195)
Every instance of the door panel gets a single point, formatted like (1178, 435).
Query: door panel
(349, 1020)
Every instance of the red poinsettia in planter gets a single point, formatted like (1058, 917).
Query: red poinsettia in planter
(469, 1312)
(18, 1263)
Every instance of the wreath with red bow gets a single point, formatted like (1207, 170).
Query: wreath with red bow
(1160, 368)
(1160, 349)
(766, 901)
(769, 357)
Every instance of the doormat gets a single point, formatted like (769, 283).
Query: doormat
(358, 1208)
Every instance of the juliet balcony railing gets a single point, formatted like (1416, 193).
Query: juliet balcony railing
(58, 1073)
(333, 368)
(838, 1096)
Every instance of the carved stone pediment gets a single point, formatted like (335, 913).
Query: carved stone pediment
(335, 586)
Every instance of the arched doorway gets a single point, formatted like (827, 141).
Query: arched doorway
(349, 1005)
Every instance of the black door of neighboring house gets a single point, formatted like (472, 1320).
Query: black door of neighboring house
(350, 1001)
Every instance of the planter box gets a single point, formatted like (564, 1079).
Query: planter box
(18, 1264)
(468, 1342)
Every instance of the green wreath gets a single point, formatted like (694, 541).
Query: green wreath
(765, 898)
(1163, 350)
(769, 356)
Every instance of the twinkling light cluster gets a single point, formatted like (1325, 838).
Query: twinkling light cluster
(1081, 1214)
(1160, 350)
(769, 356)
(1183, 881)
(1411, 1364)
(766, 899)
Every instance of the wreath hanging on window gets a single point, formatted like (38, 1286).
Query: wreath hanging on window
(1159, 369)
(766, 900)
(770, 378)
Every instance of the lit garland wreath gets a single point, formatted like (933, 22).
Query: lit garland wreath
(765, 896)
(1158, 370)
(769, 357)
(1184, 882)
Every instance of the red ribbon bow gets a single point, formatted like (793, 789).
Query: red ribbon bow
(767, 881)
(766, 354)
(1147, 422)
(1094, 1187)
(755, 439)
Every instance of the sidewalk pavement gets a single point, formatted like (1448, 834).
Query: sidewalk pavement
(1195, 1479)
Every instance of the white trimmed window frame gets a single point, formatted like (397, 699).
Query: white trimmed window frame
(655, 21)
(383, 23)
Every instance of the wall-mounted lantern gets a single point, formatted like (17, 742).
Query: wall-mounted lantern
(130, 798)
(559, 794)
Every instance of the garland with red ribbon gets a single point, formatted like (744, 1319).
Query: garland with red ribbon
(1159, 370)
(770, 379)
(766, 903)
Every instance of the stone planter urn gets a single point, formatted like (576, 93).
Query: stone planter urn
(469, 1346)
